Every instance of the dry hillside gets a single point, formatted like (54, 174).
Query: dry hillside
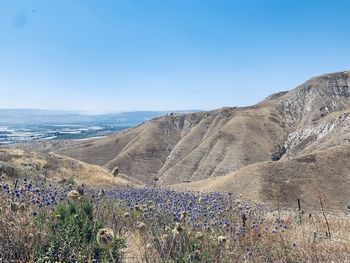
(291, 144)
(55, 168)
(178, 148)
(322, 174)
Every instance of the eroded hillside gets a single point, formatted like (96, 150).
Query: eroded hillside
(196, 146)
(324, 173)
(285, 127)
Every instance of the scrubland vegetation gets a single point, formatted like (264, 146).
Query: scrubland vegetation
(49, 223)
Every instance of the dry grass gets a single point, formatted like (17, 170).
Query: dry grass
(86, 173)
(16, 234)
(283, 182)
(301, 242)
(278, 236)
(57, 168)
(284, 236)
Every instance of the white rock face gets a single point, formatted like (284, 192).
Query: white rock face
(335, 125)
(317, 112)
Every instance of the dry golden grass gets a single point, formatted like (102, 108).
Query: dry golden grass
(281, 183)
(305, 240)
(57, 167)
(264, 236)
(310, 234)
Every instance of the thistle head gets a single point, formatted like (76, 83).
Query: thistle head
(102, 193)
(73, 195)
(199, 235)
(126, 215)
(14, 207)
(178, 227)
(105, 237)
(22, 207)
(222, 239)
(141, 225)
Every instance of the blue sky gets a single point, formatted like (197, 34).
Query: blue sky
(120, 55)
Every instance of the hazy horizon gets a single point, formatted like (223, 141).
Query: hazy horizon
(134, 55)
(82, 112)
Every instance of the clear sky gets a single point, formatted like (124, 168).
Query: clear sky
(119, 55)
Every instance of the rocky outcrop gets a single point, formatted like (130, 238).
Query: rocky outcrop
(316, 98)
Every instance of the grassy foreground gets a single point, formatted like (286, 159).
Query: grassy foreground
(48, 223)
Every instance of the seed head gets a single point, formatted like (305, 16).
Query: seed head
(178, 227)
(183, 215)
(102, 193)
(199, 235)
(222, 239)
(73, 195)
(141, 225)
(22, 207)
(105, 237)
(14, 207)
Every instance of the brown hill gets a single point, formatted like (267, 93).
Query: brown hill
(186, 147)
(291, 145)
(322, 174)
(190, 147)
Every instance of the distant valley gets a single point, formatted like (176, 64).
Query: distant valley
(26, 125)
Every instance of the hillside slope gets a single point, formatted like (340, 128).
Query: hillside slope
(16, 163)
(322, 174)
(185, 147)
(190, 147)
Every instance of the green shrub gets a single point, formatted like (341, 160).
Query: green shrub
(69, 235)
(70, 181)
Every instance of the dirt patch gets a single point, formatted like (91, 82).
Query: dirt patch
(311, 158)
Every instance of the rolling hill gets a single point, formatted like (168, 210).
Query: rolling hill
(288, 144)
